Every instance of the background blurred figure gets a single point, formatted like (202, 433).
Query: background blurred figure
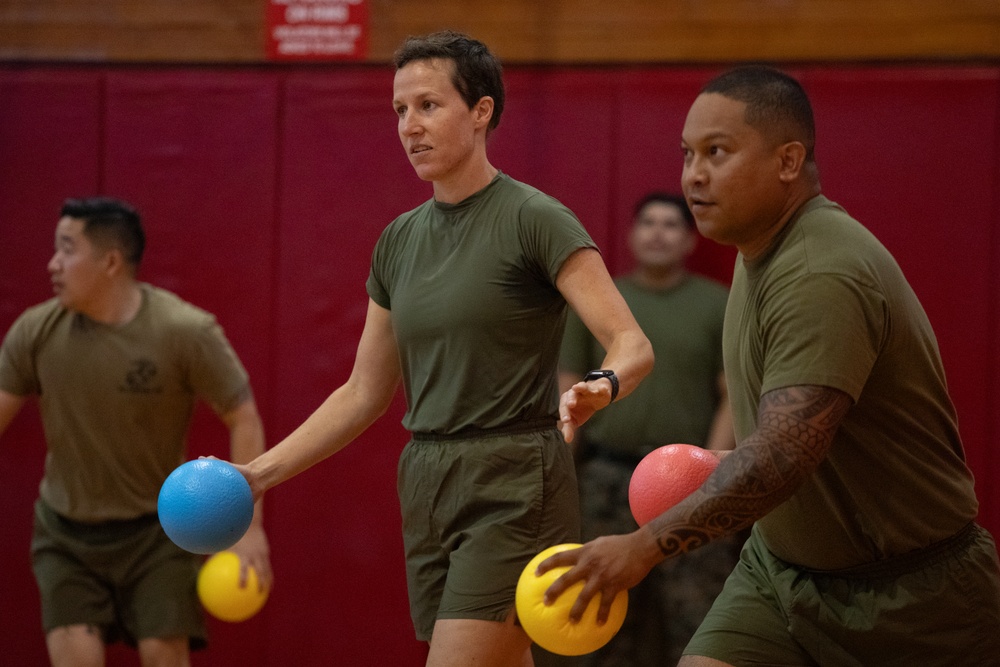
(683, 400)
(117, 366)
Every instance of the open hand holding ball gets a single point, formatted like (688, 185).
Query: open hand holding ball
(205, 506)
(549, 626)
(220, 592)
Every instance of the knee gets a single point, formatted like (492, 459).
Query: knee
(164, 652)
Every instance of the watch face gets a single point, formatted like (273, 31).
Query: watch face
(610, 375)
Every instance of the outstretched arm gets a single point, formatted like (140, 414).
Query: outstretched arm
(587, 287)
(345, 414)
(795, 429)
(246, 442)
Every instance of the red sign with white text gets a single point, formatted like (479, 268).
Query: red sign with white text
(317, 29)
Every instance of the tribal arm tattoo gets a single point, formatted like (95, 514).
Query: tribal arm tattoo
(795, 428)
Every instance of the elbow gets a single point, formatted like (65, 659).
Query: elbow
(646, 357)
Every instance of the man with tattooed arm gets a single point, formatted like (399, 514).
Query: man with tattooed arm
(849, 465)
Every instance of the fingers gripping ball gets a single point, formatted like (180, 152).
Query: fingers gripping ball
(219, 589)
(205, 506)
(549, 626)
(666, 476)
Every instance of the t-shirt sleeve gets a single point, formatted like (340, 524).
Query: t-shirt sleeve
(376, 285)
(824, 330)
(17, 368)
(551, 233)
(215, 371)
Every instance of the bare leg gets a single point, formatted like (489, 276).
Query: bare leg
(164, 652)
(469, 643)
(75, 646)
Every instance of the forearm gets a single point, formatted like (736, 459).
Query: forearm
(731, 499)
(630, 356)
(10, 405)
(342, 417)
(796, 426)
(246, 442)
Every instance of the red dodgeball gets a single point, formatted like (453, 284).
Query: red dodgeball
(665, 477)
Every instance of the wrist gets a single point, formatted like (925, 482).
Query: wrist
(608, 375)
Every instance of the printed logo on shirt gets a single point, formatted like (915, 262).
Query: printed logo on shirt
(141, 378)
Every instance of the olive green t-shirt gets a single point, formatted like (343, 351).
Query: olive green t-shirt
(676, 402)
(474, 305)
(828, 305)
(116, 402)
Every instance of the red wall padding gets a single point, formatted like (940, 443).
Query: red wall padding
(264, 189)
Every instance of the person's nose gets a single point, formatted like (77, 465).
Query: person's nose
(693, 173)
(409, 125)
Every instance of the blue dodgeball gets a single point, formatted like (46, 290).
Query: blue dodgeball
(205, 506)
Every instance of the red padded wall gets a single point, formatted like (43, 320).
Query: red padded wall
(264, 190)
(914, 156)
(338, 552)
(49, 145)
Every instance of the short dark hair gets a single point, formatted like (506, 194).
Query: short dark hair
(478, 72)
(776, 103)
(109, 222)
(657, 197)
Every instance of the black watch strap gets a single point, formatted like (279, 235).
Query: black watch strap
(597, 375)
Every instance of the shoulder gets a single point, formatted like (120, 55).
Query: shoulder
(405, 222)
(832, 241)
(168, 309)
(39, 317)
(529, 200)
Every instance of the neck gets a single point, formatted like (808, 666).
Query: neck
(118, 305)
(762, 242)
(659, 278)
(466, 184)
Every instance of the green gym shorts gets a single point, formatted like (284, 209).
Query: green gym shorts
(475, 510)
(937, 607)
(125, 577)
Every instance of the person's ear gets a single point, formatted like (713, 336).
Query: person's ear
(483, 111)
(114, 262)
(792, 156)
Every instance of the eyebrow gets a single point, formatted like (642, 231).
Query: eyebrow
(717, 134)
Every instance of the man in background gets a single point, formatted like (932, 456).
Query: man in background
(117, 365)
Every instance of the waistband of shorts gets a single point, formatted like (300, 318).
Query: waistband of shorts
(475, 433)
(912, 561)
(74, 526)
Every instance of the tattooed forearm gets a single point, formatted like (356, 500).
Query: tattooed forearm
(795, 428)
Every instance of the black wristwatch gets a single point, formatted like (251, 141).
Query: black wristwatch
(597, 375)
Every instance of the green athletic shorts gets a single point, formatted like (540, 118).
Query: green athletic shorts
(937, 607)
(125, 577)
(475, 511)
